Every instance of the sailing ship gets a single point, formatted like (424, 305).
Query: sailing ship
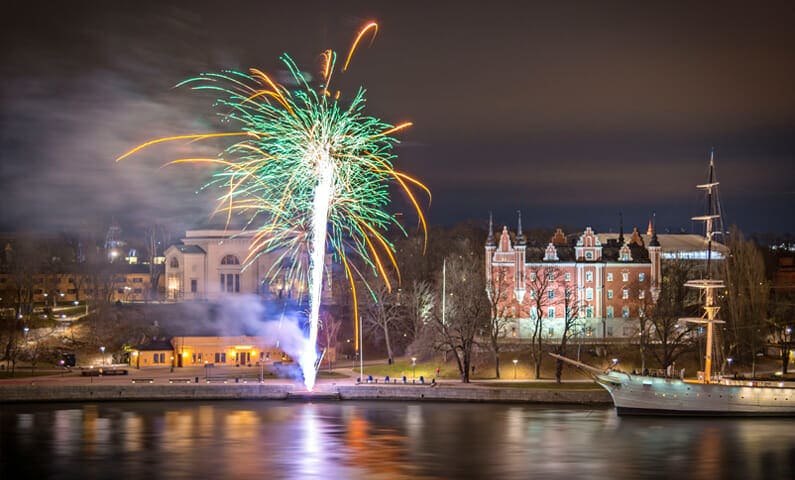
(705, 395)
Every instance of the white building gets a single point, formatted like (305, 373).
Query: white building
(208, 264)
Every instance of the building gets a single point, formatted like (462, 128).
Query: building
(209, 264)
(603, 284)
(186, 351)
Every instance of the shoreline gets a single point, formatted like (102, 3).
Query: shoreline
(43, 393)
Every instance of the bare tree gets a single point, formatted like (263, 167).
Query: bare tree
(23, 261)
(155, 242)
(571, 324)
(747, 297)
(465, 313)
(541, 284)
(382, 315)
(418, 301)
(780, 324)
(672, 337)
(642, 300)
(498, 292)
(329, 335)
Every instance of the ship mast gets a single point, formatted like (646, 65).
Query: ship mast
(707, 284)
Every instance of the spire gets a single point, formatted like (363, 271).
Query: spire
(490, 239)
(655, 242)
(649, 229)
(620, 228)
(520, 238)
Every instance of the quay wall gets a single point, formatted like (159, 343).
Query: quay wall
(170, 392)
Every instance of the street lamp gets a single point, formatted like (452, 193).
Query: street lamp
(102, 352)
(414, 365)
(515, 361)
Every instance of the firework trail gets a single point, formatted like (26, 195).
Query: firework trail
(308, 169)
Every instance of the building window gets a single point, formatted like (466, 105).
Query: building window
(610, 276)
(230, 260)
(627, 332)
(589, 255)
(625, 293)
(609, 331)
(551, 331)
(532, 294)
(138, 280)
(589, 312)
(625, 276)
(567, 276)
(217, 357)
(194, 285)
(641, 276)
(156, 358)
(138, 291)
(642, 294)
(551, 312)
(589, 276)
(532, 276)
(610, 311)
(551, 276)
(551, 294)
(173, 263)
(589, 331)
(625, 312)
(120, 290)
(589, 293)
(71, 280)
(609, 294)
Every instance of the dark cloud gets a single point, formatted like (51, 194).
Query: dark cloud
(569, 111)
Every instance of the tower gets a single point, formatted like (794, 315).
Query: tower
(113, 242)
(519, 261)
(491, 245)
(654, 255)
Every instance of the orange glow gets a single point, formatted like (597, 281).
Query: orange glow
(196, 137)
(370, 26)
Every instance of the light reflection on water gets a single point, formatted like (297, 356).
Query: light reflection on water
(378, 440)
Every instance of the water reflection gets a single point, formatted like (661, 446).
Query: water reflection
(380, 440)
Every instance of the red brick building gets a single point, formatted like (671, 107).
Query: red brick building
(601, 288)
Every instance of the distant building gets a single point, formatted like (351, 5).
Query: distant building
(209, 264)
(605, 282)
(203, 350)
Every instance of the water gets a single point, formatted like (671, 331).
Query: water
(380, 440)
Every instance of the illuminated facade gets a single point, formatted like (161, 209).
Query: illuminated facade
(603, 285)
(209, 264)
(203, 350)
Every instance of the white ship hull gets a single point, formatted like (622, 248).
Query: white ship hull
(642, 395)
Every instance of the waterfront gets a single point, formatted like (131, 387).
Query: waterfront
(380, 440)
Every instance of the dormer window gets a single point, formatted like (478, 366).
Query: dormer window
(589, 255)
(173, 263)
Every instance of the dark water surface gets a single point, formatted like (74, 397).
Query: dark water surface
(266, 440)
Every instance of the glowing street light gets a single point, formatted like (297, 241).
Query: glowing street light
(102, 351)
(515, 361)
(414, 365)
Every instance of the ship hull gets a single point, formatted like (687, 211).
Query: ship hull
(640, 395)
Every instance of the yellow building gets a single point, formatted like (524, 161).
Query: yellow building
(199, 351)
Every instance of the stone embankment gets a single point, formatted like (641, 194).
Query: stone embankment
(256, 391)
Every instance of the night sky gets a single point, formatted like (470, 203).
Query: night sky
(570, 112)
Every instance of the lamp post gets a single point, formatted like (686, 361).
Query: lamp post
(102, 352)
(730, 360)
(515, 361)
(414, 366)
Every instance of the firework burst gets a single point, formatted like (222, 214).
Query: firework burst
(310, 171)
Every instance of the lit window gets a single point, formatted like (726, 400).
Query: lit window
(609, 294)
(567, 276)
(610, 276)
(589, 255)
(642, 294)
(551, 276)
(532, 276)
(551, 294)
(641, 276)
(551, 312)
(625, 276)
(533, 294)
(589, 293)
(589, 311)
(625, 312)
(589, 276)
(610, 311)
(625, 293)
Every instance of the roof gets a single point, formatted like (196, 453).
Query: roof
(189, 249)
(676, 242)
(155, 345)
